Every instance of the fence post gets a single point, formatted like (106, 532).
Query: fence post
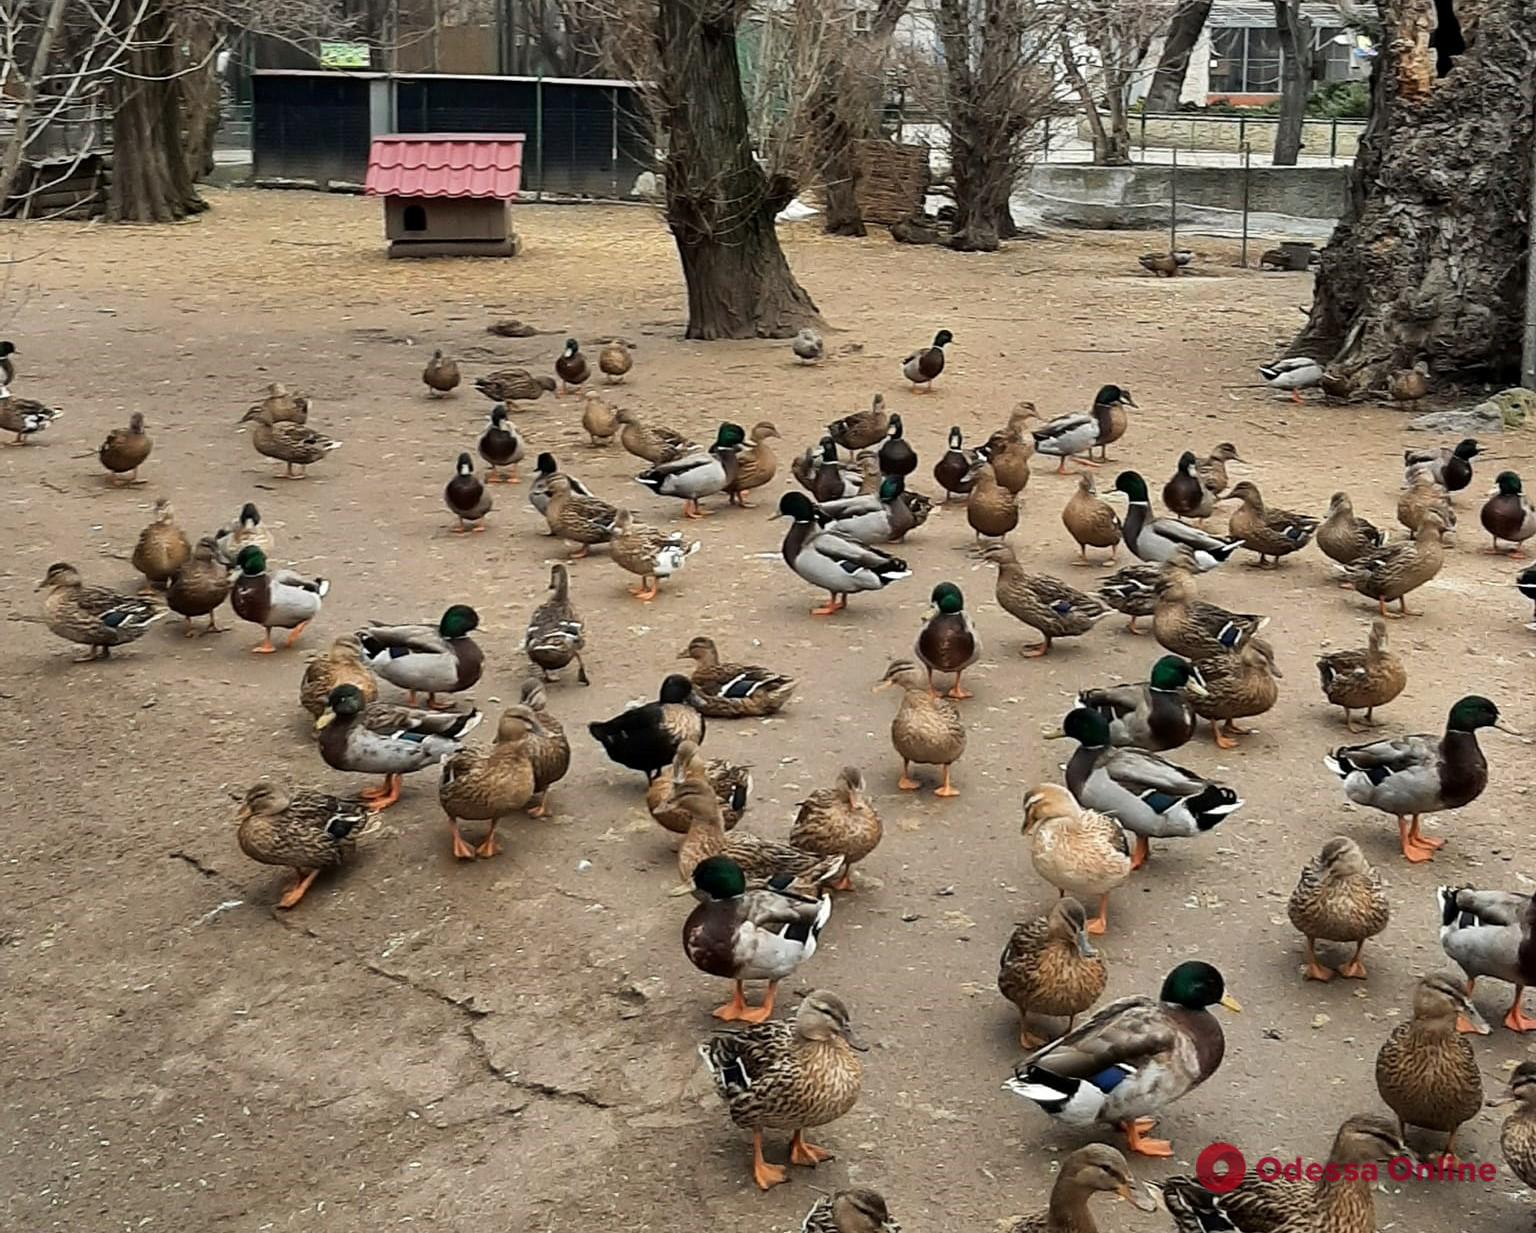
(1333, 139)
(1247, 167)
(1173, 204)
(613, 149)
(1242, 130)
(1143, 130)
(538, 135)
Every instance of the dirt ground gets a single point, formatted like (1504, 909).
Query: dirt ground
(509, 1045)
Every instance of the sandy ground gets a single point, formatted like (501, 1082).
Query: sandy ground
(510, 1044)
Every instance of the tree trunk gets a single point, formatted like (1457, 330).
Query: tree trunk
(1295, 30)
(1105, 150)
(720, 204)
(1117, 152)
(841, 166)
(151, 179)
(1183, 33)
(1429, 261)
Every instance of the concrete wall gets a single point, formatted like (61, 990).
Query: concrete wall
(1081, 195)
(1321, 138)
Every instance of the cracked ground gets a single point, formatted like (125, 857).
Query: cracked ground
(509, 1045)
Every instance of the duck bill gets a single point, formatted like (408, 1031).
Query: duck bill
(1084, 946)
(1137, 1197)
(1474, 1016)
(1229, 1002)
(854, 1042)
(1498, 1102)
(1196, 686)
(882, 685)
(326, 719)
(1504, 727)
(1053, 734)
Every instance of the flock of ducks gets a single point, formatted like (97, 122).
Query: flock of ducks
(762, 904)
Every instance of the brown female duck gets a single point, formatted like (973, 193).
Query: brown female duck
(1342, 536)
(579, 520)
(731, 690)
(304, 829)
(486, 784)
(850, 1211)
(614, 361)
(1338, 898)
(1095, 1169)
(1517, 1139)
(1237, 684)
(549, 749)
(838, 821)
(1213, 468)
(126, 449)
(1393, 570)
(652, 442)
(1040, 601)
(927, 728)
(556, 634)
(1132, 590)
(755, 464)
(1050, 968)
(599, 419)
(293, 445)
(1264, 529)
(441, 375)
(1187, 625)
(991, 509)
(1009, 451)
(863, 428)
(24, 416)
(162, 548)
(731, 784)
(341, 663)
(648, 552)
(514, 385)
(1420, 495)
(199, 587)
(1426, 1072)
(1081, 852)
(1362, 680)
(1090, 521)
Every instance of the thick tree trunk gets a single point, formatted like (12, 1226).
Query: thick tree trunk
(151, 179)
(1295, 30)
(1429, 261)
(1183, 33)
(720, 204)
(1111, 147)
(1117, 152)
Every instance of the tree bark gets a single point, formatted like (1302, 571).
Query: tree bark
(720, 203)
(1429, 261)
(1183, 33)
(1118, 151)
(1295, 30)
(1107, 148)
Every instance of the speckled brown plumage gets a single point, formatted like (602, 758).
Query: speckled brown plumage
(1426, 1071)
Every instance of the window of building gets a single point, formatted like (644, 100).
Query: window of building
(414, 218)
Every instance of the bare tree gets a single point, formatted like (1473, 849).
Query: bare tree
(1296, 76)
(1184, 30)
(1103, 52)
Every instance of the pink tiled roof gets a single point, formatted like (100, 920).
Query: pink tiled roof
(446, 165)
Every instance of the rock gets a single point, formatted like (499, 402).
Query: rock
(913, 231)
(1516, 405)
(512, 328)
(1481, 419)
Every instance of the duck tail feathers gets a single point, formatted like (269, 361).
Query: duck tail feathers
(1212, 804)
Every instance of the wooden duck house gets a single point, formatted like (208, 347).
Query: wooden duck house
(447, 194)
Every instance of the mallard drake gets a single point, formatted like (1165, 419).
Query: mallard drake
(1133, 591)
(1525, 583)
(126, 449)
(1393, 570)
(1132, 1058)
(1154, 714)
(279, 599)
(434, 659)
(991, 510)
(788, 1076)
(294, 445)
(731, 690)
(652, 442)
(755, 464)
(614, 361)
(483, 785)
(645, 738)
(1095, 1169)
(549, 749)
(1149, 796)
(838, 821)
(895, 455)
(93, 616)
(863, 428)
(1067, 435)
(1237, 684)
(572, 367)
(1270, 532)
(1419, 496)
(1338, 898)
(818, 471)
(827, 560)
(599, 419)
(1294, 374)
(1186, 625)
(1339, 1202)
(1186, 494)
(1212, 469)
(1362, 680)
(579, 520)
(1049, 967)
(1492, 934)
(512, 385)
(304, 829)
(441, 375)
(1408, 776)
(648, 551)
(546, 467)
(162, 548)
(24, 416)
(340, 664)
(1079, 851)
(731, 784)
(1009, 452)
(741, 935)
(500, 447)
(808, 346)
(1517, 1138)
(466, 497)
(1426, 1073)
(695, 476)
(282, 405)
(1157, 539)
(247, 528)
(927, 727)
(922, 368)
(884, 516)
(556, 635)
(850, 1211)
(1089, 521)
(1040, 601)
(1449, 466)
(948, 641)
(1508, 514)
(199, 587)
(955, 470)
(1343, 537)
(376, 738)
